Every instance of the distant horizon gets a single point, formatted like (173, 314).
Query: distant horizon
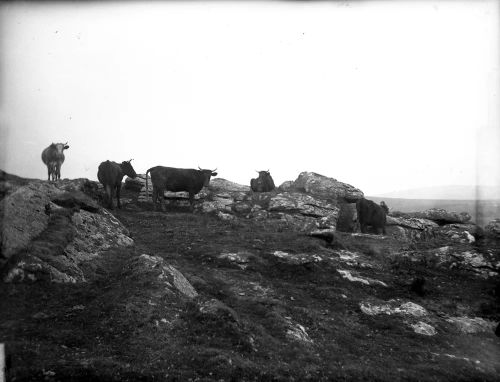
(493, 193)
(446, 192)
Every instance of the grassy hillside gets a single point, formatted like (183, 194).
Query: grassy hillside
(264, 318)
(482, 211)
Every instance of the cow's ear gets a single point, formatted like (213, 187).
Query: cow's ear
(66, 147)
(214, 174)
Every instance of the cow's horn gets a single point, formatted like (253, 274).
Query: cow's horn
(199, 167)
(130, 160)
(214, 170)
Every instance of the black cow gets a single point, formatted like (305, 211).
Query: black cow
(264, 183)
(53, 157)
(371, 214)
(176, 180)
(110, 174)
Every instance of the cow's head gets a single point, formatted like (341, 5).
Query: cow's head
(128, 169)
(266, 179)
(264, 174)
(60, 147)
(207, 174)
(384, 207)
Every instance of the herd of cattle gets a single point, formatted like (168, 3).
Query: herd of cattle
(110, 175)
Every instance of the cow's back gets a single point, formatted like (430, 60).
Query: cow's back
(177, 179)
(109, 173)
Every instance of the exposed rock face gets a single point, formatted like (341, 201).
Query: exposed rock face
(286, 186)
(164, 275)
(324, 214)
(413, 223)
(308, 204)
(23, 216)
(297, 259)
(492, 229)
(469, 325)
(459, 233)
(221, 185)
(43, 241)
(44, 259)
(135, 184)
(96, 233)
(410, 229)
(364, 280)
(324, 187)
(71, 199)
(482, 264)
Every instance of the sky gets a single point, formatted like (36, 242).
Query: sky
(384, 96)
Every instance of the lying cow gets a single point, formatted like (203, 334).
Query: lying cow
(110, 174)
(53, 158)
(176, 180)
(371, 214)
(264, 183)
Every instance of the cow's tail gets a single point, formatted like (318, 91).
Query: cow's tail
(147, 188)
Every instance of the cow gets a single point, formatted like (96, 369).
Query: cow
(110, 174)
(264, 183)
(53, 158)
(371, 214)
(175, 180)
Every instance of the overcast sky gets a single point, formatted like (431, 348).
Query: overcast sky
(381, 95)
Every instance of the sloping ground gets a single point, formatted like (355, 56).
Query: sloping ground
(270, 304)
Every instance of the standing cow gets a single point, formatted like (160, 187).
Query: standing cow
(110, 174)
(53, 157)
(264, 183)
(175, 180)
(371, 214)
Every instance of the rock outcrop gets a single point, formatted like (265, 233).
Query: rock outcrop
(309, 203)
(166, 278)
(326, 188)
(51, 230)
(492, 229)
(313, 203)
(23, 215)
(437, 215)
(433, 223)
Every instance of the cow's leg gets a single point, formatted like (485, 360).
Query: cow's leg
(161, 196)
(48, 171)
(118, 188)
(362, 227)
(155, 197)
(109, 196)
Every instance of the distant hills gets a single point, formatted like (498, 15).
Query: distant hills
(452, 192)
